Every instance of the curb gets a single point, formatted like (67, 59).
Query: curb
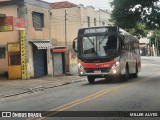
(41, 88)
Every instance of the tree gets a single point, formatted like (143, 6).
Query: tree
(136, 16)
(155, 39)
(140, 30)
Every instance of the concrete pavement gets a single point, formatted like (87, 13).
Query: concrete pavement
(10, 88)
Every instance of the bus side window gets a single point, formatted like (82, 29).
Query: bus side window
(122, 43)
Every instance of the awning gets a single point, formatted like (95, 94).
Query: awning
(59, 49)
(42, 44)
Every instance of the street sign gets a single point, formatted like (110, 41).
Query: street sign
(18, 24)
(11, 23)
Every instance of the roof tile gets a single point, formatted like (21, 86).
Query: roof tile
(64, 4)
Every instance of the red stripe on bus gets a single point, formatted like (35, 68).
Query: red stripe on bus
(98, 65)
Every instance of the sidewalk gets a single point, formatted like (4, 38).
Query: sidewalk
(10, 88)
(151, 57)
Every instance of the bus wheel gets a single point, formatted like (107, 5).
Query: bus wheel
(126, 76)
(135, 75)
(91, 79)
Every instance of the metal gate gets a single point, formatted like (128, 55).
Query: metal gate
(58, 63)
(40, 62)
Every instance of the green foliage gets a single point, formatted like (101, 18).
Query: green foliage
(139, 30)
(123, 16)
(133, 15)
(156, 37)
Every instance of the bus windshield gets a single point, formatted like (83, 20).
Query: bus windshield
(99, 46)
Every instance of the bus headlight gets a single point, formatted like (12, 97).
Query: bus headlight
(114, 71)
(80, 66)
(81, 73)
(116, 64)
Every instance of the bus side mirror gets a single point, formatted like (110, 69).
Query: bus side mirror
(74, 45)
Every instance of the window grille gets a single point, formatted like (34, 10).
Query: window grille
(103, 23)
(88, 20)
(38, 20)
(94, 21)
(2, 52)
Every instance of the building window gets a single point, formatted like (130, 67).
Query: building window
(103, 23)
(15, 58)
(38, 20)
(2, 52)
(88, 20)
(94, 21)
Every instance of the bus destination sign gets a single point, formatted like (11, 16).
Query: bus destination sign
(95, 30)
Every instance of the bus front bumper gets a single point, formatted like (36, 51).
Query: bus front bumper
(112, 72)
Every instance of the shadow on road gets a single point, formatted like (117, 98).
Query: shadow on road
(100, 81)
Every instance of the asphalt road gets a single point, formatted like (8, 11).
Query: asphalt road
(138, 94)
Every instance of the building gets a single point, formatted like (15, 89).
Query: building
(67, 18)
(144, 47)
(37, 38)
(42, 57)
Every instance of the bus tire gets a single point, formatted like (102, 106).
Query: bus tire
(91, 79)
(135, 75)
(126, 75)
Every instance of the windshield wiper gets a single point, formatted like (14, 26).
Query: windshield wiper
(90, 40)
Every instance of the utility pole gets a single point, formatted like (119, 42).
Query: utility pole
(99, 18)
(65, 27)
(66, 46)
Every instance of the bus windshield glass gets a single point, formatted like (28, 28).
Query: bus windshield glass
(99, 46)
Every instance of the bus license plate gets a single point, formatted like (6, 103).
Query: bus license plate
(97, 71)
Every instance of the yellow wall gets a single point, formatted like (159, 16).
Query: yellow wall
(7, 37)
(17, 72)
(31, 34)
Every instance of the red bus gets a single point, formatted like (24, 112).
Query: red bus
(107, 52)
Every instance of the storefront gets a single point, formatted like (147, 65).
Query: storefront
(40, 48)
(144, 49)
(58, 58)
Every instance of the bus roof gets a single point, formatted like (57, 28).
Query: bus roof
(120, 30)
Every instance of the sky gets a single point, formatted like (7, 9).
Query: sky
(98, 4)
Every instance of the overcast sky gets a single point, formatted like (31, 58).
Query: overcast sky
(98, 4)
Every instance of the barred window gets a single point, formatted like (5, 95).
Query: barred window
(103, 23)
(2, 52)
(95, 21)
(88, 20)
(38, 20)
